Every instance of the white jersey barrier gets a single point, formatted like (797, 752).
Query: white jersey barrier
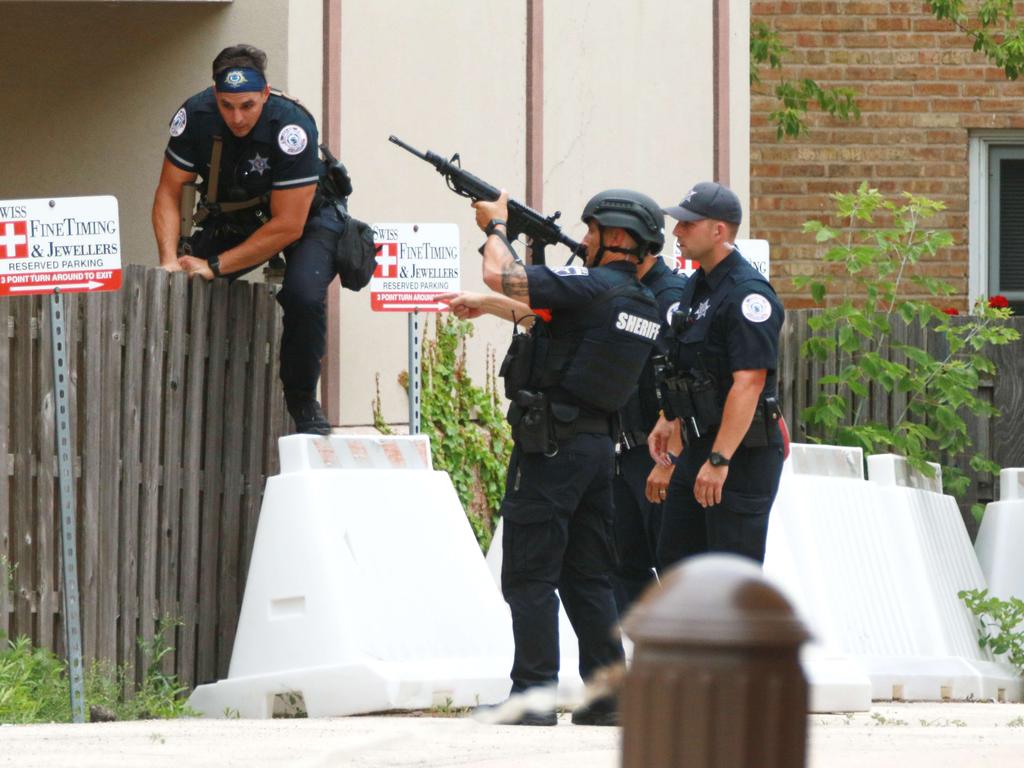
(1001, 537)
(366, 590)
(874, 567)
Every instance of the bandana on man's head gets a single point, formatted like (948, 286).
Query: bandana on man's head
(240, 80)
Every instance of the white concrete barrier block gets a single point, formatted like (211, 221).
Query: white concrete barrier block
(890, 469)
(1011, 483)
(366, 589)
(874, 569)
(827, 460)
(999, 545)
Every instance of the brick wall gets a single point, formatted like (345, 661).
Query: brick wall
(920, 89)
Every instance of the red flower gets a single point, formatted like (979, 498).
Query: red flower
(951, 311)
(998, 301)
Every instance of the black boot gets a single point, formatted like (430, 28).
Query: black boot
(307, 414)
(602, 711)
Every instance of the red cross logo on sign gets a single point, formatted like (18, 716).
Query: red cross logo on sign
(13, 239)
(387, 260)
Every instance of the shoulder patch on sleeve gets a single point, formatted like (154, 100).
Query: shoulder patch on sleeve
(292, 139)
(178, 122)
(570, 271)
(756, 308)
(672, 309)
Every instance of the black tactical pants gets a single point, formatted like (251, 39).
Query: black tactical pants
(637, 522)
(303, 296)
(557, 535)
(739, 524)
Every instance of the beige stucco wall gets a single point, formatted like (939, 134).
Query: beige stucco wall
(425, 72)
(89, 88)
(627, 102)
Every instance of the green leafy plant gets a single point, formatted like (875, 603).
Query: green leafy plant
(794, 98)
(34, 686)
(869, 284)
(992, 26)
(999, 624)
(469, 436)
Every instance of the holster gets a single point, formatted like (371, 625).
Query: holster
(530, 419)
(764, 425)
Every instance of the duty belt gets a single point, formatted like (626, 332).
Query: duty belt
(631, 439)
(600, 425)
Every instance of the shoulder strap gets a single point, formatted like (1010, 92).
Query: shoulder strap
(211, 187)
(293, 100)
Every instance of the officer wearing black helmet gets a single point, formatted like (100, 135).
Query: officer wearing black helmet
(566, 379)
(640, 483)
(721, 390)
(263, 192)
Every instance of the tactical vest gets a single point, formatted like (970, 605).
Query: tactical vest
(640, 413)
(593, 356)
(696, 385)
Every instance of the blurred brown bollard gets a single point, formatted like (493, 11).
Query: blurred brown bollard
(716, 678)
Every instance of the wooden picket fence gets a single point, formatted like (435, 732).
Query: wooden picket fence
(1000, 438)
(176, 410)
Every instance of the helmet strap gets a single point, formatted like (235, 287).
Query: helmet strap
(637, 252)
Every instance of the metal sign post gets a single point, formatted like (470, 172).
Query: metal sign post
(65, 467)
(415, 350)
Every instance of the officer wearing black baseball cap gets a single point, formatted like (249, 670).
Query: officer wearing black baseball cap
(720, 389)
(708, 200)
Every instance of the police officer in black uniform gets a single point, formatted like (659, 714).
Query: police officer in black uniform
(637, 476)
(566, 380)
(265, 195)
(722, 388)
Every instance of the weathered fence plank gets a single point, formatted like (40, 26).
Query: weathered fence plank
(154, 382)
(24, 407)
(47, 548)
(260, 373)
(172, 479)
(131, 478)
(229, 599)
(213, 483)
(191, 463)
(112, 330)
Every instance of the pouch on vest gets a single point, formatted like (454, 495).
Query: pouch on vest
(704, 396)
(563, 420)
(517, 365)
(356, 256)
(531, 424)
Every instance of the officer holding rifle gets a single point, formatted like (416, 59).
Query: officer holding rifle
(566, 378)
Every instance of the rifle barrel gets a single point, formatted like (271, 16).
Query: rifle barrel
(395, 140)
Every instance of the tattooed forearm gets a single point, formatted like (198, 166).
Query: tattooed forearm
(514, 282)
(503, 272)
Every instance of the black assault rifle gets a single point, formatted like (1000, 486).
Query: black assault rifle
(522, 220)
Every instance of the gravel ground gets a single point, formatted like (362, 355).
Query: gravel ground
(898, 735)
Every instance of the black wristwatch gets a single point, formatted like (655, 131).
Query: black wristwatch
(214, 264)
(492, 225)
(717, 460)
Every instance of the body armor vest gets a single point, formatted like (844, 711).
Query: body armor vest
(593, 356)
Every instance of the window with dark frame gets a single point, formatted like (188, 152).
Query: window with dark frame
(1006, 224)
